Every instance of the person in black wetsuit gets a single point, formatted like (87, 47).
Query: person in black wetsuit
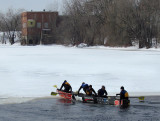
(90, 91)
(124, 97)
(84, 86)
(102, 92)
(67, 86)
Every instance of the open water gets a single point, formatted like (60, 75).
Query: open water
(52, 109)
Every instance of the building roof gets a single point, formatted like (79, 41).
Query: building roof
(40, 12)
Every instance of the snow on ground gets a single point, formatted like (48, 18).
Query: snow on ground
(4, 36)
(31, 71)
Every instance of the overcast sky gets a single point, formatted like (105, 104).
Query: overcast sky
(35, 5)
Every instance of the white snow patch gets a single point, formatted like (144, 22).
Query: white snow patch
(4, 37)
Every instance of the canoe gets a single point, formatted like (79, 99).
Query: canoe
(110, 100)
(64, 95)
(92, 99)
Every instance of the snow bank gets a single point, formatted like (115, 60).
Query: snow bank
(3, 35)
(31, 71)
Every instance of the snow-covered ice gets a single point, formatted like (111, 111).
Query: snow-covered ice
(31, 71)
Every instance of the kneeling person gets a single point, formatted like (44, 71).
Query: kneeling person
(90, 91)
(84, 86)
(102, 92)
(67, 87)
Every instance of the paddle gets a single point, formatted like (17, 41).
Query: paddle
(55, 86)
(141, 98)
(54, 93)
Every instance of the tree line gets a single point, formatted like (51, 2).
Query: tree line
(10, 24)
(111, 22)
(99, 22)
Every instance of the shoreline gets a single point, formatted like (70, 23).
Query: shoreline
(18, 100)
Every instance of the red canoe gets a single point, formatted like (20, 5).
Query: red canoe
(64, 94)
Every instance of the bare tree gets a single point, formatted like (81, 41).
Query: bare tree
(120, 22)
(11, 21)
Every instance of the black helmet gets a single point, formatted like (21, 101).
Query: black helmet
(103, 86)
(122, 87)
(83, 82)
(65, 81)
(90, 86)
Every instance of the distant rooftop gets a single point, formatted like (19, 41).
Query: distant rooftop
(41, 11)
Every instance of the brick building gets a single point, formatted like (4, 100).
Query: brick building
(38, 27)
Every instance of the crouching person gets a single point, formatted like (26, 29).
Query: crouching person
(102, 92)
(67, 87)
(84, 86)
(90, 91)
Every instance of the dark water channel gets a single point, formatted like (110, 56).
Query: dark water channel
(52, 109)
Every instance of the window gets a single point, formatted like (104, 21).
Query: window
(46, 31)
(45, 25)
(38, 25)
(31, 23)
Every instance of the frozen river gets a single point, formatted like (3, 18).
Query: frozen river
(52, 109)
(31, 71)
